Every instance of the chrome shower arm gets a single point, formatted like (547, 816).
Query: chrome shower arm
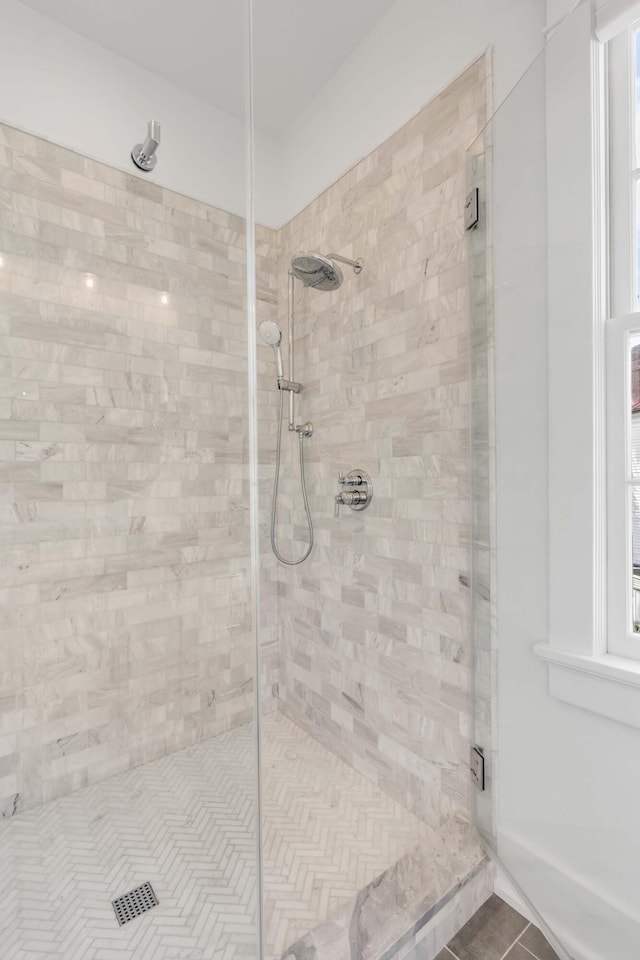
(356, 264)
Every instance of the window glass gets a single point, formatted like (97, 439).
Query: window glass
(634, 380)
(636, 243)
(636, 164)
(635, 552)
(636, 92)
(634, 465)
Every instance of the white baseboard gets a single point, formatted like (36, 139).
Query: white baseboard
(589, 926)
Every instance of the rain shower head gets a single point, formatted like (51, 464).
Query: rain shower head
(271, 334)
(320, 272)
(316, 271)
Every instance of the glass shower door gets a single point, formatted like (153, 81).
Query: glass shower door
(552, 811)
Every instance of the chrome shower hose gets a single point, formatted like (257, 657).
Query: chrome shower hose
(274, 502)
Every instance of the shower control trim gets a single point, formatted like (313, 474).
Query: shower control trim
(360, 494)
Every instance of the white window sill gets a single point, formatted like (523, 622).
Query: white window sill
(606, 684)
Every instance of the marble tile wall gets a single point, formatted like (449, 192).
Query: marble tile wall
(125, 623)
(125, 630)
(375, 653)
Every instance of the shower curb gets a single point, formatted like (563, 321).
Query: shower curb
(420, 900)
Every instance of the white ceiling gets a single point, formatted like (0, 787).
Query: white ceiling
(198, 44)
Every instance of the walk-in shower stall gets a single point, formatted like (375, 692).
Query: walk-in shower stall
(286, 302)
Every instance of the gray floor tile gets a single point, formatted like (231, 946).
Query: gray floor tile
(489, 933)
(534, 941)
(518, 952)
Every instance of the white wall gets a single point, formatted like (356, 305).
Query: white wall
(568, 780)
(411, 54)
(67, 89)
(557, 10)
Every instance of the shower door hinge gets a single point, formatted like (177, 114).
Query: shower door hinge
(476, 767)
(471, 209)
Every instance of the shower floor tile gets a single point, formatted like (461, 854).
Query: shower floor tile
(186, 824)
(328, 832)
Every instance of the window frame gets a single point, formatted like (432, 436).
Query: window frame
(580, 669)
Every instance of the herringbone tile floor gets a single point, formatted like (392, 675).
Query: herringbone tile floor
(327, 832)
(186, 823)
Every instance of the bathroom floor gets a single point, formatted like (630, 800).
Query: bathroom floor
(498, 932)
(185, 823)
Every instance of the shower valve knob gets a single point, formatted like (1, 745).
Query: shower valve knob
(352, 479)
(355, 499)
(359, 496)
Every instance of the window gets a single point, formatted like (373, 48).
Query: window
(593, 327)
(593, 652)
(623, 348)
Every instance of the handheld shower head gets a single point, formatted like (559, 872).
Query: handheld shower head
(271, 334)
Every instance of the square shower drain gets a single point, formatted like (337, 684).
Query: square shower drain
(132, 904)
